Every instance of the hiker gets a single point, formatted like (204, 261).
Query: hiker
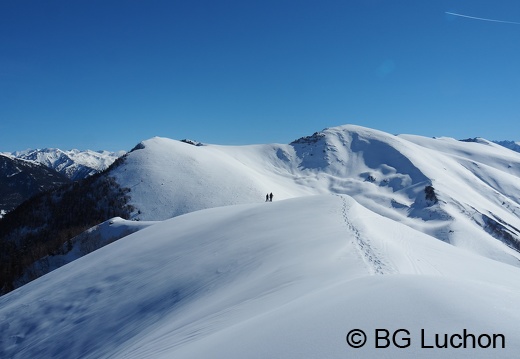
(267, 197)
(271, 197)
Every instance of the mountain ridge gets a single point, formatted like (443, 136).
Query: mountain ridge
(21, 179)
(366, 231)
(71, 165)
(386, 173)
(512, 145)
(74, 164)
(424, 183)
(281, 279)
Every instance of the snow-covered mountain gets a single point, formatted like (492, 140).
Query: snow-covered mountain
(288, 279)
(26, 173)
(440, 186)
(512, 145)
(74, 164)
(21, 179)
(367, 231)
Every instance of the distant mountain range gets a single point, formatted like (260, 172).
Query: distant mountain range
(512, 145)
(365, 228)
(163, 178)
(20, 180)
(24, 174)
(74, 164)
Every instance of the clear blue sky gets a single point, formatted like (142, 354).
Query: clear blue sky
(108, 74)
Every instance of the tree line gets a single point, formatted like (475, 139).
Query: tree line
(40, 226)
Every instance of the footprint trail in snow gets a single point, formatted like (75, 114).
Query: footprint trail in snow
(370, 256)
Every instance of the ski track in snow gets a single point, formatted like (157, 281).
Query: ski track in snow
(374, 263)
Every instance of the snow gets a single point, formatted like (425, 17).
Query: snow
(50, 156)
(86, 242)
(166, 178)
(471, 179)
(284, 279)
(512, 145)
(75, 164)
(349, 242)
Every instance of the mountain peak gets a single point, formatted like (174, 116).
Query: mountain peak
(512, 145)
(74, 164)
(393, 175)
(363, 225)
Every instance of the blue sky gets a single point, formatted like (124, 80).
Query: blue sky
(108, 74)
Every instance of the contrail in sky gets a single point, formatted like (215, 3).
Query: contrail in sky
(483, 19)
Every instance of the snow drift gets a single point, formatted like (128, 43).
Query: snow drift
(367, 231)
(285, 279)
(475, 186)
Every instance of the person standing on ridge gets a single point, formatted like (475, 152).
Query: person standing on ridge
(271, 197)
(267, 197)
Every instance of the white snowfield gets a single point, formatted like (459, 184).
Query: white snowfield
(350, 242)
(476, 182)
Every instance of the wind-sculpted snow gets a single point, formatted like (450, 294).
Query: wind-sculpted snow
(512, 145)
(355, 152)
(168, 178)
(287, 279)
(368, 233)
(388, 174)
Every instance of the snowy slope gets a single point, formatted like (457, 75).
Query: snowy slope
(74, 164)
(168, 178)
(367, 231)
(287, 279)
(84, 243)
(512, 145)
(476, 184)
